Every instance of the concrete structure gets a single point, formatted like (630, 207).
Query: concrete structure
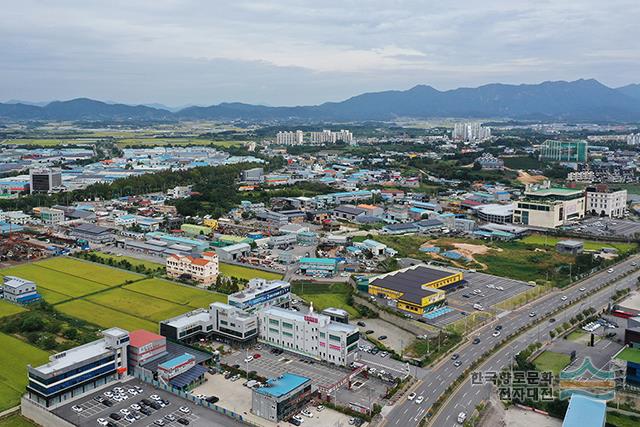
(18, 290)
(603, 202)
(281, 397)
(50, 216)
(220, 320)
(488, 162)
(80, 369)
(260, 293)
(574, 151)
(45, 180)
(203, 270)
(572, 247)
(470, 132)
(253, 175)
(547, 207)
(145, 346)
(312, 335)
(416, 289)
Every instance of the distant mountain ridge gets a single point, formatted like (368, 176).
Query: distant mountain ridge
(579, 100)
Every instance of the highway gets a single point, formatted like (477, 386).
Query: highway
(436, 380)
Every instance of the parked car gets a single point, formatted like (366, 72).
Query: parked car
(361, 323)
(257, 356)
(183, 421)
(76, 408)
(115, 416)
(295, 421)
(307, 413)
(248, 359)
(320, 408)
(102, 421)
(298, 418)
(170, 417)
(159, 422)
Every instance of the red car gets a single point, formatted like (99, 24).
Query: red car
(256, 356)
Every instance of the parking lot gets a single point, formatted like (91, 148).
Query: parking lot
(607, 227)
(271, 365)
(88, 410)
(396, 338)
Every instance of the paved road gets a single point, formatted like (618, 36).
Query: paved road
(408, 413)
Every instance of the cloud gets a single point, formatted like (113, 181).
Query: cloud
(289, 52)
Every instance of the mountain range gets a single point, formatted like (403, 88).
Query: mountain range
(578, 101)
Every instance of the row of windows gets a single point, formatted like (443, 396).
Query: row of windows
(69, 383)
(72, 372)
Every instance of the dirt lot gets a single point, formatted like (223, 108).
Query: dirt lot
(515, 417)
(526, 178)
(396, 337)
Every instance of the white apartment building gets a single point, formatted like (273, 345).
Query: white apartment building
(51, 216)
(633, 139)
(312, 335)
(290, 138)
(602, 202)
(470, 132)
(203, 270)
(327, 136)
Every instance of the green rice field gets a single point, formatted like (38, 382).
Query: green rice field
(247, 273)
(9, 309)
(139, 305)
(176, 293)
(17, 355)
(105, 316)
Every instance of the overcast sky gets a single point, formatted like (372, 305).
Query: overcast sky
(288, 52)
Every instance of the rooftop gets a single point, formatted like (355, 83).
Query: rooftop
(286, 383)
(176, 361)
(410, 281)
(142, 337)
(584, 411)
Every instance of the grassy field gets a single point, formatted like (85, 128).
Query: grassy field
(246, 272)
(522, 162)
(16, 421)
(589, 245)
(104, 316)
(56, 281)
(524, 297)
(9, 309)
(326, 295)
(473, 321)
(616, 420)
(179, 294)
(138, 305)
(98, 273)
(14, 358)
(551, 361)
(577, 335)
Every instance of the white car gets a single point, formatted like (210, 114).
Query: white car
(102, 422)
(154, 397)
(582, 289)
(248, 359)
(320, 408)
(500, 288)
(76, 408)
(108, 394)
(135, 407)
(125, 411)
(419, 400)
(496, 333)
(298, 418)
(307, 413)
(411, 396)
(564, 298)
(185, 410)
(610, 270)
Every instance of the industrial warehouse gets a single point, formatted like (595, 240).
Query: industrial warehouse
(417, 289)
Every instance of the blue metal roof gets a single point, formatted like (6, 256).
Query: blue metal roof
(282, 385)
(186, 378)
(585, 411)
(176, 361)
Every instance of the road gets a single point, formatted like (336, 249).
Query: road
(436, 381)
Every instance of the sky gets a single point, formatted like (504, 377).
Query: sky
(288, 52)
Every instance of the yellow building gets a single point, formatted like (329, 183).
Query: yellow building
(211, 223)
(416, 289)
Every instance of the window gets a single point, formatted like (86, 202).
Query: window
(334, 338)
(274, 322)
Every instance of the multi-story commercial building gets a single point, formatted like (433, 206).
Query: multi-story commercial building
(45, 180)
(18, 290)
(416, 289)
(145, 346)
(581, 176)
(281, 397)
(80, 369)
(574, 151)
(203, 270)
(260, 293)
(290, 138)
(318, 266)
(495, 213)
(220, 320)
(313, 335)
(605, 202)
(547, 207)
(51, 216)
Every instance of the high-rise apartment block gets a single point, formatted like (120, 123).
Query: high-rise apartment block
(470, 132)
